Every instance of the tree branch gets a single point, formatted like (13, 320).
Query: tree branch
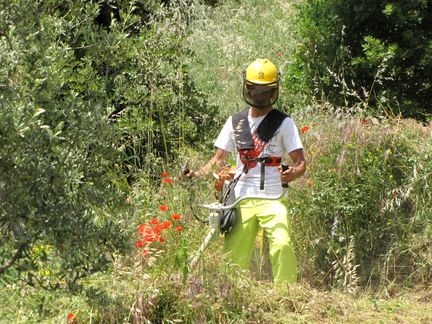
(14, 259)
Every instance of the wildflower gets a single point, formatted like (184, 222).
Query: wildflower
(364, 121)
(176, 216)
(163, 208)
(149, 239)
(71, 318)
(167, 180)
(154, 221)
(279, 54)
(304, 129)
(148, 232)
(158, 228)
(166, 224)
(179, 229)
(145, 252)
(140, 244)
(161, 239)
(142, 228)
(164, 174)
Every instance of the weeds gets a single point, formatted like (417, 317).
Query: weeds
(361, 216)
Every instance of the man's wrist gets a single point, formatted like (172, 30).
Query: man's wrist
(198, 173)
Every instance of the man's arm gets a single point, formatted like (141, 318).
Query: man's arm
(297, 169)
(219, 159)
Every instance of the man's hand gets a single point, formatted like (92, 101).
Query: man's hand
(219, 159)
(287, 175)
(297, 169)
(191, 174)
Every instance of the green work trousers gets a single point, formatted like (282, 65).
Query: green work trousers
(272, 216)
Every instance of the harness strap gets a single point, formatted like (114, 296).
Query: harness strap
(267, 161)
(265, 131)
(262, 178)
(270, 160)
(251, 145)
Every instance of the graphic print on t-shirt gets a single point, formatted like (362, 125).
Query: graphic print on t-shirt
(270, 148)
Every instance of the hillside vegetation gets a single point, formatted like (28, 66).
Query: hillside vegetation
(102, 105)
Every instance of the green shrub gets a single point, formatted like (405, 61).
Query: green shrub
(364, 202)
(78, 104)
(377, 53)
(58, 201)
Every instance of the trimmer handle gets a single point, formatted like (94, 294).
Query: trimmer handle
(284, 168)
(185, 169)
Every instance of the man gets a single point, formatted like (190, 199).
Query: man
(259, 171)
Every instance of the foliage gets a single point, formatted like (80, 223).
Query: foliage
(97, 99)
(84, 100)
(57, 198)
(365, 201)
(223, 40)
(380, 50)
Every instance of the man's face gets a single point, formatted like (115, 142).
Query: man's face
(260, 95)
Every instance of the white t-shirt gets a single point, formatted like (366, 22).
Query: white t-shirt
(286, 139)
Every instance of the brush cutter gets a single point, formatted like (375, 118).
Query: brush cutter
(217, 210)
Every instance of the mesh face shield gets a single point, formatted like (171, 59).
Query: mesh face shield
(260, 95)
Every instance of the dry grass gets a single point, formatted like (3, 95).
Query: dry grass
(303, 304)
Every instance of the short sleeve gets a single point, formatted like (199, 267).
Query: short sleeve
(225, 140)
(291, 140)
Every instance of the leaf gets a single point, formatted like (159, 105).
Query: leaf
(38, 112)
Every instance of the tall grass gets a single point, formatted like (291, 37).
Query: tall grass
(361, 215)
(356, 210)
(363, 204)
(225, 39)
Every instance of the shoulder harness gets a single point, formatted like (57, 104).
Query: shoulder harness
(251, 145)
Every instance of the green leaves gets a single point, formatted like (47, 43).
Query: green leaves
(366, 184)
(55, 153)
(86, 103)
(372, 55)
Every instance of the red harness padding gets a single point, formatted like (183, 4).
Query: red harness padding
(249, 158)
(250, 145)
(270, 160)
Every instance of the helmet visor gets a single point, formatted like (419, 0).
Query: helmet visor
(260, 95)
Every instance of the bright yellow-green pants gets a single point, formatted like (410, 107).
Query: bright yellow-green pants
(272, 216)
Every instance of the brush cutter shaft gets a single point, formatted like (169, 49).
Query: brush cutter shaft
(203, 246)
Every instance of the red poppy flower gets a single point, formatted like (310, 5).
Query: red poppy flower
(142, 228)
(166, 224)
(164, 174)
(145, 252)
(176, 216)
(154, 221)
(161, 239)
(158, 228)
(163, 208)
(167, 180)
(140, 243)
(148, 232)
(304, 129)
(179, 228)
(149, 239)
(364, 121)
(71, 318)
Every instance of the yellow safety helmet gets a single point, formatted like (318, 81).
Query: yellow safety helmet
(261, 83)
